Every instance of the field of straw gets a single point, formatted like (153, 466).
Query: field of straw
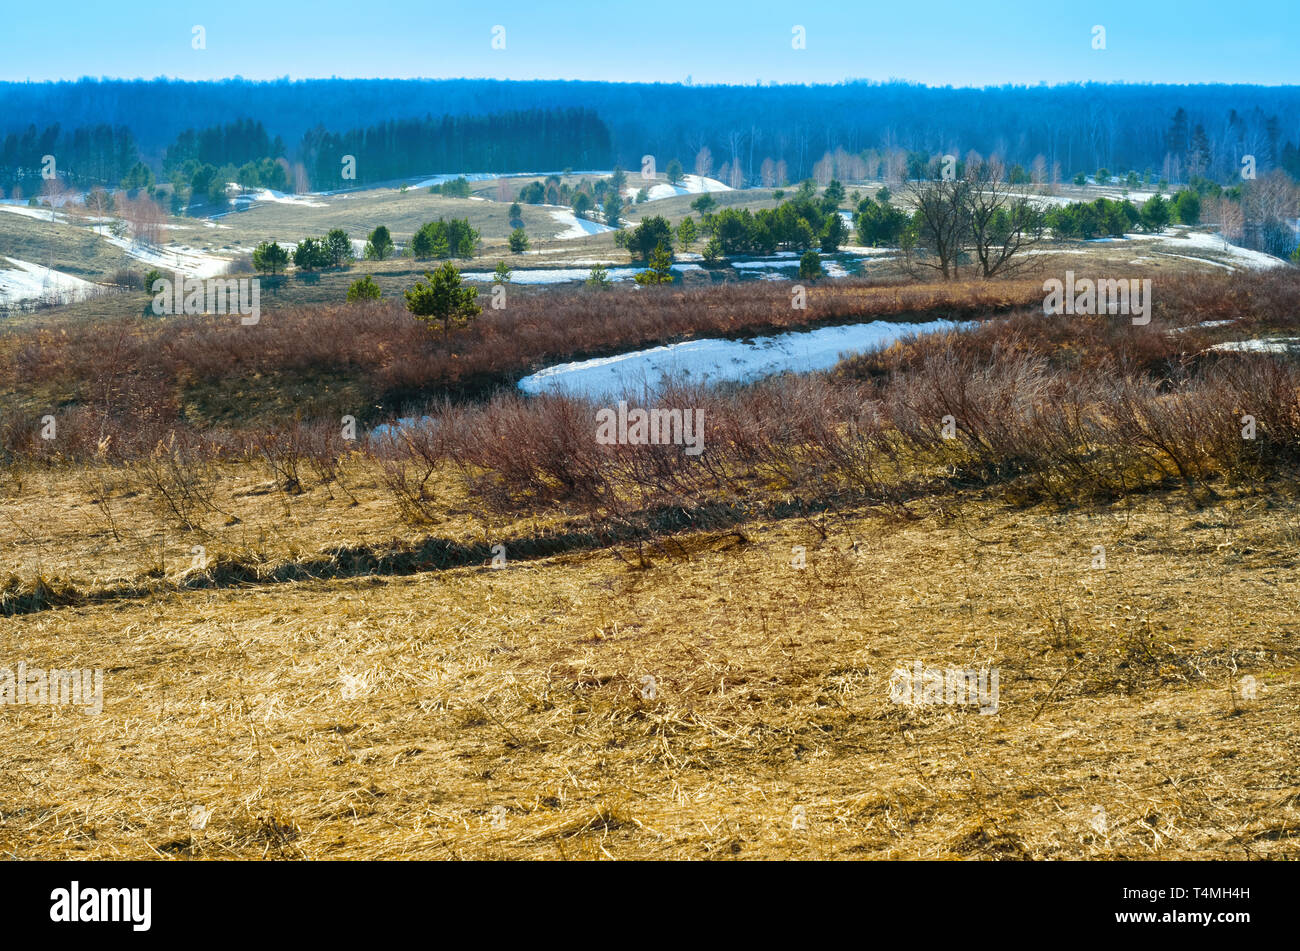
(712, 700)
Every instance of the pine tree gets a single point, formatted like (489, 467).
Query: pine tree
(269, 256)
(379, 245)
(338, 246)
(443, 299)
(363, 289)
(661, 267)
(687, 232)
(1155, 214)
(613, 208)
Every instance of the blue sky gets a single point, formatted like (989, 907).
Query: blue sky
(931, 41)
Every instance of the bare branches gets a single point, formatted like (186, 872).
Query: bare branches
(975, 217)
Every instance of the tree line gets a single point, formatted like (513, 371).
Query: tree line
(517, 141)
(811, 129)
(86, 156)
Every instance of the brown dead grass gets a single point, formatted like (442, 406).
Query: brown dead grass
(389, 716)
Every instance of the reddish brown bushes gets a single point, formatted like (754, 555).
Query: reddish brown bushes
(1042, 407)
(398, 362)
(1035, 431)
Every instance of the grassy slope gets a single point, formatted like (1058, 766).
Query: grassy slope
(64, 247)
(358, 213)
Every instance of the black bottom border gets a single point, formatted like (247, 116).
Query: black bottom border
(948, 900)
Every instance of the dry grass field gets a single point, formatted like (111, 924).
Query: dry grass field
(411, 710)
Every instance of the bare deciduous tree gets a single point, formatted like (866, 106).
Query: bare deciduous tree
(704, 162)
(1002, 224)
(942, 222)
(976, 218)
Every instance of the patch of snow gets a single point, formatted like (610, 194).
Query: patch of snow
(868, 252)
(654, 192)
(1180, 239)
(280, 198)
(697, 185)
(575, 227)
(1203, 323)
(1269, 345)
(1254, 260)
(468, 176)
(691, 185)
(763, 265)
(185, 260)
(40, 214)
(562, 275)
(1138, 198)
(27, 281)
(713, 361)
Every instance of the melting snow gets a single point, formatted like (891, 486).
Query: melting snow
(576, 227)
(1270, 345)
(721, 361)
(691, 185)
(28, 281)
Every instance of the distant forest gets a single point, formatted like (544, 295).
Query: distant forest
(100, 129)
(540, 140)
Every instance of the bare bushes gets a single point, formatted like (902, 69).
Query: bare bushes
(415, 454)
(1240, 420)
(1031, 430)
(181, 477)
(390, 360)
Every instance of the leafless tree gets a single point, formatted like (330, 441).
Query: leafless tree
(146, 218)
(1038, 172)
(99, 202)
(736, 142)
(1002, 224)
(704, 162)
(942, 221)
(1269, 206)
(975, 218)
